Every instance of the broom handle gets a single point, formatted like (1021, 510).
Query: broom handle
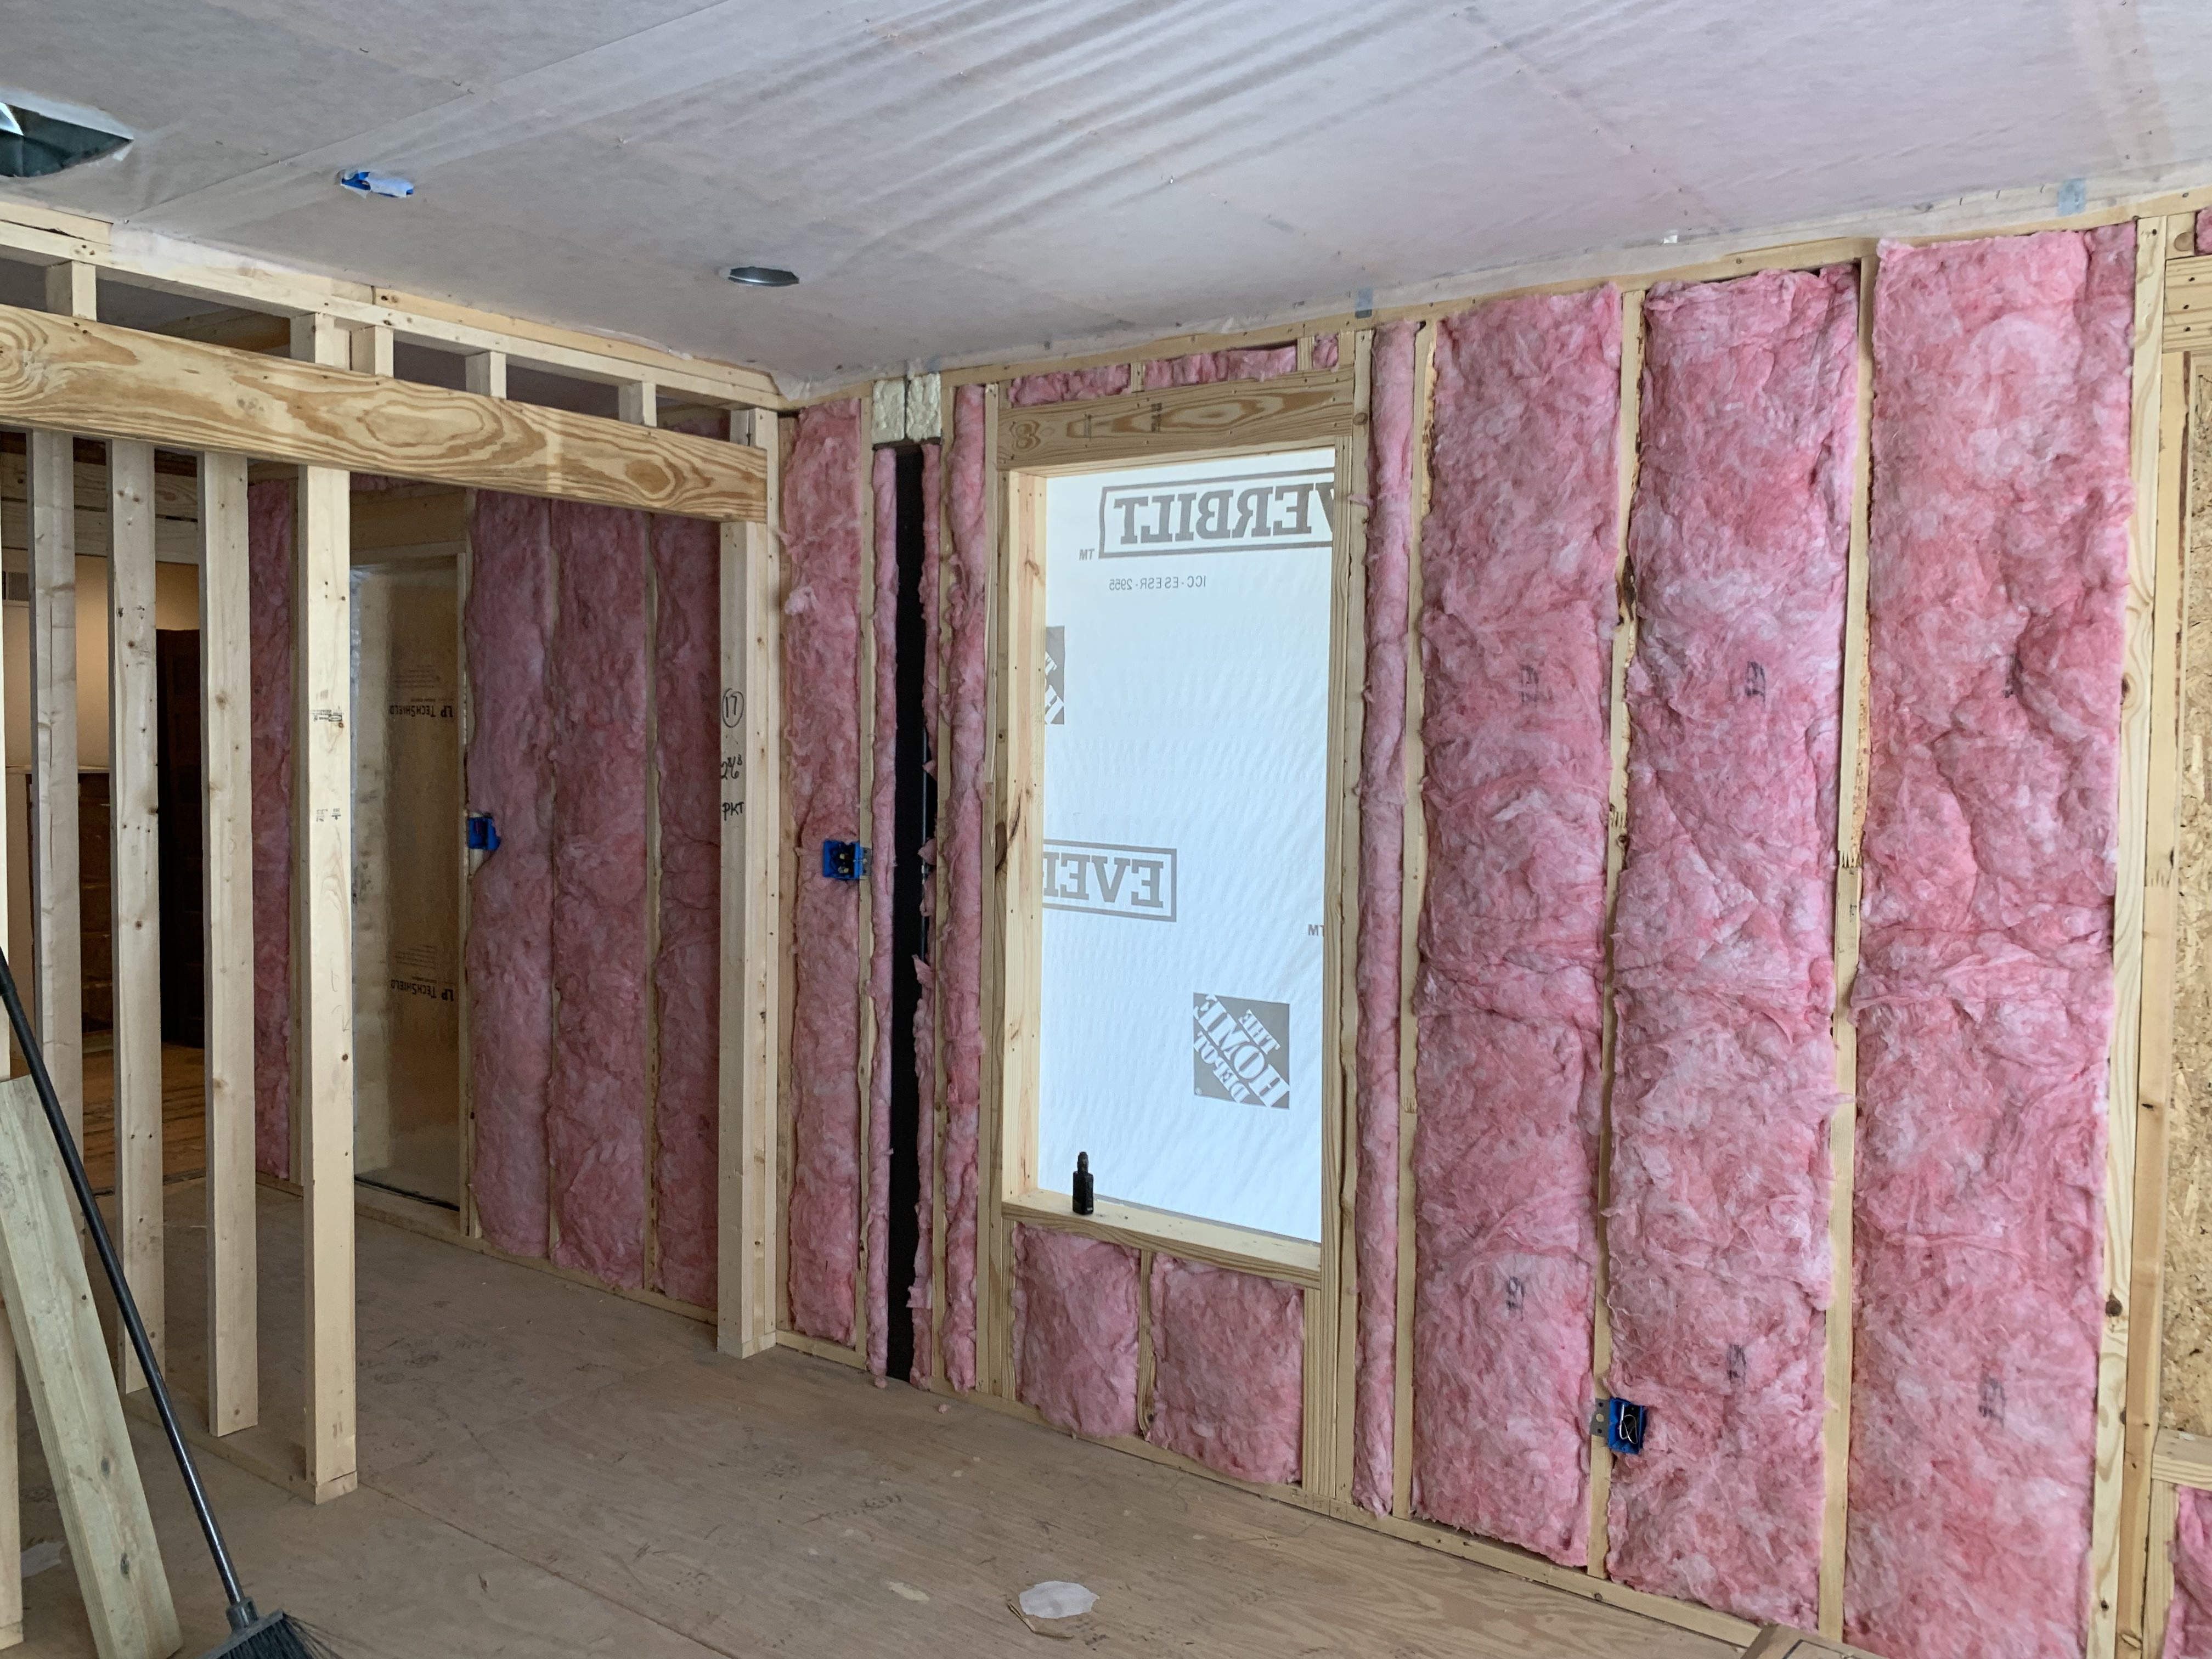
(125, 1303)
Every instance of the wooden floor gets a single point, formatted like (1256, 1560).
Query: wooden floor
(548, 1471)
(184, 1115)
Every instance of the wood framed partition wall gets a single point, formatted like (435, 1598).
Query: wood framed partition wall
(327, 411)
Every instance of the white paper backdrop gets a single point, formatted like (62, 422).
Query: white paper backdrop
(1185, 800)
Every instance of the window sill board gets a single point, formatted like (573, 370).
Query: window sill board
(1293, 1261)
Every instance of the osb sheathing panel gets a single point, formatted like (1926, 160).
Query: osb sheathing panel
(2187, 1378)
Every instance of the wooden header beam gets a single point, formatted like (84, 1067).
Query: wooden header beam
(64, 374)
(1180, 422)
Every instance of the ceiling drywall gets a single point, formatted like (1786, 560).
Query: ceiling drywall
(1003, 177)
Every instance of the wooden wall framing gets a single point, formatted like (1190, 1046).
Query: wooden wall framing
(1331, 406)
(329, 409)
(2160, 1455)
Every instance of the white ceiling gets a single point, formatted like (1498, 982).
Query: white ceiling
(975, 178)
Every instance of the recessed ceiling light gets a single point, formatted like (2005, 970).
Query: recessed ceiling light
(762, 277)
(32, 145)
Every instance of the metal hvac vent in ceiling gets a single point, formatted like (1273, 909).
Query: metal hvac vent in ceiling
(32, 145)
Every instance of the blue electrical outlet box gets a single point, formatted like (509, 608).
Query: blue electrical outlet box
(844, 860)
(483, 833)
(1624, 1426)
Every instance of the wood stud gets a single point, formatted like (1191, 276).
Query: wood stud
(484, 374)
(60, 969)
(1616, 851)
(1416, 875)
(2148, 1502)
(227, 818)
(134, 804)
(2105, 1568)
(640, 403)
(112, 1549)
(1852, 747)
(752, 935)
(323, 1103)
(370, 350)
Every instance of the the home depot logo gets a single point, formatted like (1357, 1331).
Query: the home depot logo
(1241, 1049)
(1135, 882)
(1242, 513)
(1055, 677)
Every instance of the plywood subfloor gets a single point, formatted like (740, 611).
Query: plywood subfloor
(550, 1471)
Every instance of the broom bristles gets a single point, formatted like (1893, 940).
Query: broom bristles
(274, 1636)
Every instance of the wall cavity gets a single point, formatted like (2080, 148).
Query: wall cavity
(506, 630)
(269, 576)
(687, 756)
(1228, 1370)
(1517, 559)
(595, 1127)
(1075, 1331)
(1985, 997)
(883, 858)
(822, 513)
(1205, 368)
(921, 1298)
(1067, 385)
(1723, 938)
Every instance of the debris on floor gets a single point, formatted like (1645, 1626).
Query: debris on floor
(1055, 1608)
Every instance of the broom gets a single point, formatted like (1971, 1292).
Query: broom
(253, 1634)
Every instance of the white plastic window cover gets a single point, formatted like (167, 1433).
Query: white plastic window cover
(1185, 786)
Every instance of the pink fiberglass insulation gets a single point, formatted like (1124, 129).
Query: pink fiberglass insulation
(1228, 1370)
(1205, 368)
(1382, 869)
(960, 930)
(2203, 242)
(883, 817)
(595, 1111)
(920, 1293)
(269, 575)
(1996, 600)
(1723, 945)
(1517, 629)
(822, 511)
(686, 758)
(1068, 385)
(507, 633)
(1075, 1330)
(1324, 351)
(2189, 1620)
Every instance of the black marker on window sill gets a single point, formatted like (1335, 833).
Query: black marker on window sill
(1083, 1201)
